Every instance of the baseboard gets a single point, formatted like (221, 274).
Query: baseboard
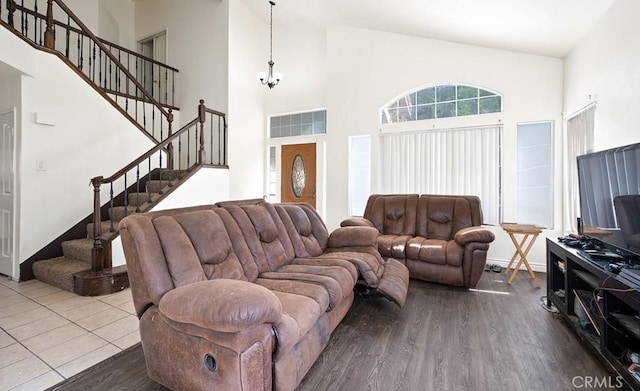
(538, 268)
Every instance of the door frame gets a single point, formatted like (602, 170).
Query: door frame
(321, 167)
(15, 204)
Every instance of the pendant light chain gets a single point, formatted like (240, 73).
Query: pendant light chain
(270, 79)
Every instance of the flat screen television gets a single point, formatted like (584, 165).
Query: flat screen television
(609, 191)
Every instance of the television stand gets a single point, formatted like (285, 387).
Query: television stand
(602, 307)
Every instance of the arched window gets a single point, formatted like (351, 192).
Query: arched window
(441, 101)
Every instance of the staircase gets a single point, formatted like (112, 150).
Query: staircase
(83, 261)
(76, 259)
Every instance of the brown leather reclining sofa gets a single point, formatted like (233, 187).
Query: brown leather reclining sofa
(245, 295)
(438, 237)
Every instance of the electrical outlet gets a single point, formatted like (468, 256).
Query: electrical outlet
(41, 165)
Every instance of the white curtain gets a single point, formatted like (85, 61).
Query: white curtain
(452, 161)
(580, 129)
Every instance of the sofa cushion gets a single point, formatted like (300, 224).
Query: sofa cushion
(393, 246)
(393, 214)
(306, 230)
(337, 281)
(442, 252)
(440, 217)
(264, 233)
(299, 314)
(212, 244)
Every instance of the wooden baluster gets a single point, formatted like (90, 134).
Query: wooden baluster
(111, 205)
(67, 39)
(202, 117)
(170, 146)
(126, 196)
(138, 188)
(50, 34)
(80, 50)
(35, 21)
(11, 9)
(211, 136)
(24, 22)
(148, 180)
(166, 85)
(97, 253)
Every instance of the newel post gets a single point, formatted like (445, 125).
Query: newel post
(201, 117)
(49, 33)
(97, 253)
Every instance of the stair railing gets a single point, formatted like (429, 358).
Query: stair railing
(141, 88)
(201, 142)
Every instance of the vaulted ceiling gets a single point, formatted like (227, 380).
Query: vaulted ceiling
(544, 27)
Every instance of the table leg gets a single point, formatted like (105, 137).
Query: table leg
(515, 254)
(523, 258)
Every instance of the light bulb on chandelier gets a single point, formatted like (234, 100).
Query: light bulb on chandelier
(270, 79)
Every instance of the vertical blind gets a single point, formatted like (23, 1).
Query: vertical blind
(452, 161)
(580, 131)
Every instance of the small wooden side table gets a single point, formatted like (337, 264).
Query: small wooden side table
(530, 232)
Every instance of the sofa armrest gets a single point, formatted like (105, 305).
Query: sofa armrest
(222, 305)
(356, 222)
(473, 234)
(353, 237)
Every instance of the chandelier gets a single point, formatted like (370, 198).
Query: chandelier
(271, 79)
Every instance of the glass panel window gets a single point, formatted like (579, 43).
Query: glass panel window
(449, 100)
(444, 110)
(445, 93)
(426, 112)
(359, 173)
(535, 174)
(491, 104)
(299, 124)
(466, 92)
(428, 95)
(467, 107)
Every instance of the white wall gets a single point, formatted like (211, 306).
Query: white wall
(116, 20)
(197, 44)
(246, 103)
(605, 66)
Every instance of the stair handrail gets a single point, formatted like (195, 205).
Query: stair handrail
(166, 146)
(50, 38)
(49, 43)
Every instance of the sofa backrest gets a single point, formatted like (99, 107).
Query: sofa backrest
(307, 231)
(170, 249)
(440, 217)
(392, 214)
(264, 233)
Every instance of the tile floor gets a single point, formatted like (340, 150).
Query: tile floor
(48, 334)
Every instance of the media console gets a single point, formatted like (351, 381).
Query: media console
(600, 303)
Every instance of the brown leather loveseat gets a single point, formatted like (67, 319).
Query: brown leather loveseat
(439, 237)
(244, 295)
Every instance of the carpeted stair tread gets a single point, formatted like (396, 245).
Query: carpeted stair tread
(105, 228)
(156, 186)
(172, 174)
(79, 249)
(59, 271)
(119, 211)
(139, 199)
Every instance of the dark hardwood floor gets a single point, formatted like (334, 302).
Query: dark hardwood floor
(498, 337)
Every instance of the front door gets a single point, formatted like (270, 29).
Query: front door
(299, 173)
(7, 174)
